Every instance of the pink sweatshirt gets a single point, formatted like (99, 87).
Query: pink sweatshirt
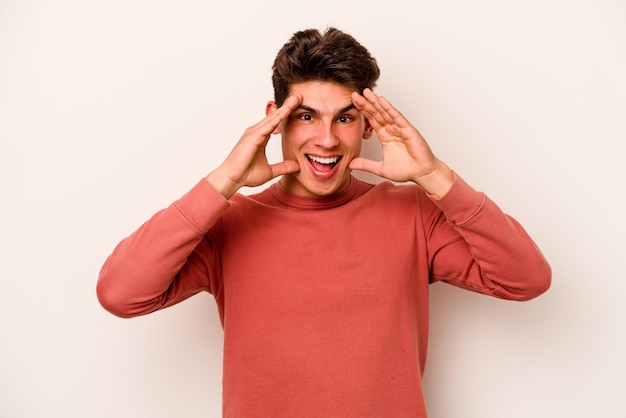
(324, 302)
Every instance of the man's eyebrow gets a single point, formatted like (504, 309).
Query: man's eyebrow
(317, 113)
(347, 109)
(308, 109)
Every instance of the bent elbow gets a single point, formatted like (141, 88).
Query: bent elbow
(113, 301)
(536, 283)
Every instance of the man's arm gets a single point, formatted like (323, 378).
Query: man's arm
(167, 259)
(171, 257)
(473, 244)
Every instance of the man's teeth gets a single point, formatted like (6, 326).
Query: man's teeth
(328, 160)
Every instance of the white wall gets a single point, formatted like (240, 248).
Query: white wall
(111, 110)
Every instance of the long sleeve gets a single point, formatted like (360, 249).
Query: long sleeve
(490, 253)
(168, 259)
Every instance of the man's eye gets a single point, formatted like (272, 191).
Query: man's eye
(306, 116)
(344, 119)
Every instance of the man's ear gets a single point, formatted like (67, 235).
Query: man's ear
(270, 108)
(368, 131)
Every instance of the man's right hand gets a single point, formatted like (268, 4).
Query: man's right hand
(247, 165)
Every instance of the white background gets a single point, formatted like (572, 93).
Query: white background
(111, 110)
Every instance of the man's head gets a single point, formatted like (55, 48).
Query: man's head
(332, 56)
(323, 134)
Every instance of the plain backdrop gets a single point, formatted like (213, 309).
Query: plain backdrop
(111, 110)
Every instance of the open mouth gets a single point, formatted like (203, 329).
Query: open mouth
(323, 164)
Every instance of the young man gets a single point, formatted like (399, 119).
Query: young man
(321, 280)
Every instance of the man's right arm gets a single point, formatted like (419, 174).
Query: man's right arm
(168, 259)
(171, 257)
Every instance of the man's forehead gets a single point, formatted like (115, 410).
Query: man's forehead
(324, 97)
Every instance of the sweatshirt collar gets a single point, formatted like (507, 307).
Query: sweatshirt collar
(286, 199)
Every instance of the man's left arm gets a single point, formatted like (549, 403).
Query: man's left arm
(472, 243)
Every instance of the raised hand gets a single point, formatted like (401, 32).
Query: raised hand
(247, 164)
(406, 155)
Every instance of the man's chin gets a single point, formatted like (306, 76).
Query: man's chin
(313, 187)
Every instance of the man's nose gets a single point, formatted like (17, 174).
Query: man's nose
(326, 137)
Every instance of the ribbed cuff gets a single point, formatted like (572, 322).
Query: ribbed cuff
(202, 205)
(461, 203)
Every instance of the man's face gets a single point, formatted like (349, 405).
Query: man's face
(323, 134)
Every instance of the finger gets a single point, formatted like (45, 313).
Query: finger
(376, 110)
(269, 124)
(285, 167)
(367, 109)
(365, 164)
(260, 133)
(382, 107)
(386, 110)
(362, 104)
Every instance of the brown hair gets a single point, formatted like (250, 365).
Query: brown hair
(332, 56)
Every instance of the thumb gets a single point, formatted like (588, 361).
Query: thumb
(285, 167)
(365, 164)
